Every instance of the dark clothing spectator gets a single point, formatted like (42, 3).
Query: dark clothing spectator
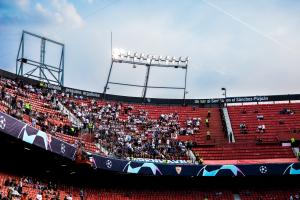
(208, 113)
(208, 136)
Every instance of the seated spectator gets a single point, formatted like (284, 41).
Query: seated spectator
(208, 113)
(291, 197)
(260, 117)
(33, 122)
(290, 111)
(294, 143)
(244, 111)
(200, 161)
(39, 196)
(208, 136)
(287, 111)
(259, 141)
(261, 128)
(243, 127)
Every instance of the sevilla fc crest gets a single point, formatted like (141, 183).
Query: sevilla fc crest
(178, 169)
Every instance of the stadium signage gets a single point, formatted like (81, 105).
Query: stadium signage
(153, 167)
(73, 91)
(160, 161)
(91, 94)
(54, 87)
(28, 134)
(247, 99)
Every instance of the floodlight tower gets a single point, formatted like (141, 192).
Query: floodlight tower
(39, 69)
(148, 61)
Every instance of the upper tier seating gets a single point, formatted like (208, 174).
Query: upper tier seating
(275, 153)
(281, 127)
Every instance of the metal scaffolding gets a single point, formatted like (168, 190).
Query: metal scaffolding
(38, 69)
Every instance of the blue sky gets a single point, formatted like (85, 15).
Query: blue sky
(249, 47)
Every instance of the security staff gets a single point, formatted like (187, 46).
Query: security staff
(72, 130)
(207, 122)
(90, 127)
(27, 108)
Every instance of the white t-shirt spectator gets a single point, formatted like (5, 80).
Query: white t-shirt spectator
(39, 197)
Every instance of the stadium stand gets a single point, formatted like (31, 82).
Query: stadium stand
(281, 122)
(26, 187)
(151, 131)
(30, 188)
(126, 130)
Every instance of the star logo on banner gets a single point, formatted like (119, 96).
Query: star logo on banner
(108, 164)
(2, 122)
(62, 148)
(263, 169)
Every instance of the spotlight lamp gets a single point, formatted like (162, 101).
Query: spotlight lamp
(122, 56)
(129, 54)
(173, 59)
(135, 59)
(122, 53)
(136, 56)
(116, 53)
(149, 58)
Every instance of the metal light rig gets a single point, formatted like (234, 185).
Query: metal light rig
(148, 61)
(39, 69)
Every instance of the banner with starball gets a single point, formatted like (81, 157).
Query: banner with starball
(193, 170)
(23, 131)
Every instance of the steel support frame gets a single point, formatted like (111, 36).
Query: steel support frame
(55, 73)
(145, 86)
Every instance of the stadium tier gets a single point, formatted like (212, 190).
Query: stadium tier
(123, 137)
(281, 122)
(126, 130)
(28, 187)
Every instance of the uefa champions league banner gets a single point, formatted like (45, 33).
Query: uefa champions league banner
(23, 131)
(159, 169)
(20, 130)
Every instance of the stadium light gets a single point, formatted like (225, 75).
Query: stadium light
(225, 95)
(122, 56)
(147, 60)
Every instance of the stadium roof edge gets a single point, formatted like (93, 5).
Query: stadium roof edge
(162, 101)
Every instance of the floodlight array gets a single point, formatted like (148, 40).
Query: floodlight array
(122, 56)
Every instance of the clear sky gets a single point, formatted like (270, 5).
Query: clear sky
(249, 47)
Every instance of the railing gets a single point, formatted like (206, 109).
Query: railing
(230, 133)
(75, 121)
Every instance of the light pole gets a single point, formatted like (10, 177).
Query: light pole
(225, 95)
